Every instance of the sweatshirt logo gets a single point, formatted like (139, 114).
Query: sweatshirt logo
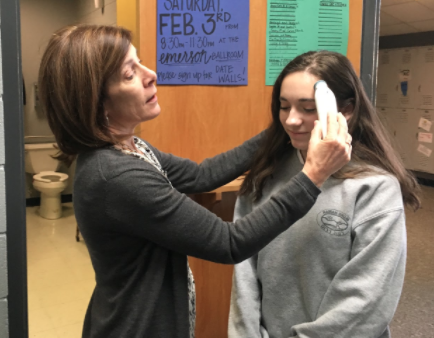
(333, 222)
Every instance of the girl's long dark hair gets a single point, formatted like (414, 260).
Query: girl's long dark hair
(371, 144)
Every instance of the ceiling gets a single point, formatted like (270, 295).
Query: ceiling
(406, 16)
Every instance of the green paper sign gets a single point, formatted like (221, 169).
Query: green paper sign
(298, 26)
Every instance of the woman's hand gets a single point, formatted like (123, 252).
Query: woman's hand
(326, 156)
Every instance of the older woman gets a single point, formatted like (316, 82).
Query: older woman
(129, 197)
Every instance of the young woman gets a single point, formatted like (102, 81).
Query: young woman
(129, 197)
(338, 271)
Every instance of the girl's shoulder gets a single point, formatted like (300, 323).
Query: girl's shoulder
(371, 180)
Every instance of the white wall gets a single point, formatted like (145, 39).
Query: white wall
(39, 19)
(87, 13)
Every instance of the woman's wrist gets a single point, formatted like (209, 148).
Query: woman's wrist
(316, 177)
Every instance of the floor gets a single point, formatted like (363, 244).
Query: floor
(415, 314)
(60, 276)
(61, 279)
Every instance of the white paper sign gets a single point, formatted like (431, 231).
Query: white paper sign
(425, 124)
(424, 137)
(424, 150)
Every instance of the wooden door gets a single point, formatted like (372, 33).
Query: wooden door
(201, 121)
(213, 281)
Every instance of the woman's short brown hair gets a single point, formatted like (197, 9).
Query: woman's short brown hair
(72, 79)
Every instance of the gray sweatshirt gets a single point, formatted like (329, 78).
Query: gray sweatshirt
(336, 273)
(139, 231)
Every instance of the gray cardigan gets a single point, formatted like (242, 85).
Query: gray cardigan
(139, 231)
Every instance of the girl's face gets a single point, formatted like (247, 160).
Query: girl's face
(131, 94)
(297, 108)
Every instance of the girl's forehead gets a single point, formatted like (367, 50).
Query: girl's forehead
(301, 77)
(298, 86)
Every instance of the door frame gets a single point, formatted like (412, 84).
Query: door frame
(14, 168)
(370, 42)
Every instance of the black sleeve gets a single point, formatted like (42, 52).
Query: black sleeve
(189, 177)
(142, 203)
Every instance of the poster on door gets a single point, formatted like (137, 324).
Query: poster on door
(202, 42)
(298, 26)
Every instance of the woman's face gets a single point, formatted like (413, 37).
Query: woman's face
(297, 107)
(131, 95)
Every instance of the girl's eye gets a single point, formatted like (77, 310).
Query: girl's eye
(285, 108)
(310, 110)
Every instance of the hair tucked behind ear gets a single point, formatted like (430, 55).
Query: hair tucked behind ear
(371, 144)
(72, 78)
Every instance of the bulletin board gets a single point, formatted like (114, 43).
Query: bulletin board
(201, 121)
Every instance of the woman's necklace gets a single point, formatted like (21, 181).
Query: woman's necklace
(145, 153)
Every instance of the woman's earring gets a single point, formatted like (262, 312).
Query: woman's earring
(108, 122)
